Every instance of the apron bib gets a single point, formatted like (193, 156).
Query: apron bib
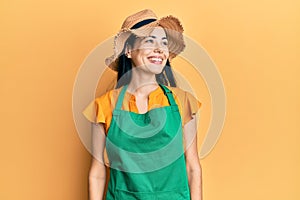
(146, 154)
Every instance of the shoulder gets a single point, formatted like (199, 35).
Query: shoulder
(176, 90)
(179, 93)
(182, 94)
(187, 101)
(108, 97)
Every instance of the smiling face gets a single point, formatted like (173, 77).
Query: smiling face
(150, 53)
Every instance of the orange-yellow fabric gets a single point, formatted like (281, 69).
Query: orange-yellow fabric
(100, 109)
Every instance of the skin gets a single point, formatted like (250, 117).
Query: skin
(149, 55)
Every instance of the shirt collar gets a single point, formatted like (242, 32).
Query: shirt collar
(152, 94)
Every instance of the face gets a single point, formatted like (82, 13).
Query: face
(150, 53)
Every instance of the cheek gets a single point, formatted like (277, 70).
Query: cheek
(167, 56)
(146, 51)
(138, 58)
(141, 52)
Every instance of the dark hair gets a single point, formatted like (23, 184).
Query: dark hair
(166, 77)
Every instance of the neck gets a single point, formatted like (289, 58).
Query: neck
(142, 83)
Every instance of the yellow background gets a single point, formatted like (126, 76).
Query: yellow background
(255, 45)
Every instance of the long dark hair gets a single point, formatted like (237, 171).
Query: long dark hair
(166, 77)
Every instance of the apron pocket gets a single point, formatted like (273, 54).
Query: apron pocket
(173, 195)
(178, 194)
(129, 195)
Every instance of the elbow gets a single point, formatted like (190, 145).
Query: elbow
(98, 173)
(194, 168)
(96, 177)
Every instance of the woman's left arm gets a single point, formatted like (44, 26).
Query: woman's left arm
(193, 166)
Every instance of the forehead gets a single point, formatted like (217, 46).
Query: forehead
(159, 32)
(155, 32)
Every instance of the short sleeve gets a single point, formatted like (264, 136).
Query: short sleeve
(191, 106)
(94, 112)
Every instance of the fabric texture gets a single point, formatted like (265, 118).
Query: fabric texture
(100, 109)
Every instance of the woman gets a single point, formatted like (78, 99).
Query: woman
(146, 126)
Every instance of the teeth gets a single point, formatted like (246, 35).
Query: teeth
(156, 59)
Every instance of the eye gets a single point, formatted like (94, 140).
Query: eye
(166, 42)
(149, 41)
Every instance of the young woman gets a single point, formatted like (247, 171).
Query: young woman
(146, 126)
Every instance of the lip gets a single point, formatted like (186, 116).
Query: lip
(156, 59)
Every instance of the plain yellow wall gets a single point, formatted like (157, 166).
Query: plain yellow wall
(255, 45)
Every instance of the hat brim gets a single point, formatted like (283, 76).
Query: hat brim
(172, 27)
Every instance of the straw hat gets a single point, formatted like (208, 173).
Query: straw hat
(141, 24)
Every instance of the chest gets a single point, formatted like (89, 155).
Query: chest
(141, 104)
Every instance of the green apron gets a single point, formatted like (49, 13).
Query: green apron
(146, 153)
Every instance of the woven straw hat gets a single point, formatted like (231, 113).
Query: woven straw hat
(141, 24)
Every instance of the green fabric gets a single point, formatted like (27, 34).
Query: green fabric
(146, 153)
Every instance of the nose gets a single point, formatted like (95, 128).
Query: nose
(158, 47)
(158, 50)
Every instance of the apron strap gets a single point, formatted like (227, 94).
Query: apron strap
(170, 97)
(120, 100)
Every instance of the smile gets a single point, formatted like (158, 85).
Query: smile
(155, 59)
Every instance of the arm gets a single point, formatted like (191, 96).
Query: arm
(97, 173)
(193, 166)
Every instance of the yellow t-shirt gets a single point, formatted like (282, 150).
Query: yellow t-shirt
(100, 109)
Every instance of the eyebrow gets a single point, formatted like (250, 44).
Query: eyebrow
(153, 36)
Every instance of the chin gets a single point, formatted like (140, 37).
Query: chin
(155, 69)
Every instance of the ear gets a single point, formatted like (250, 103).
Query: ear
(128, 51)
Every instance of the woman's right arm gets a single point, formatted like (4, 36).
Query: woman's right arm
(97, 173)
